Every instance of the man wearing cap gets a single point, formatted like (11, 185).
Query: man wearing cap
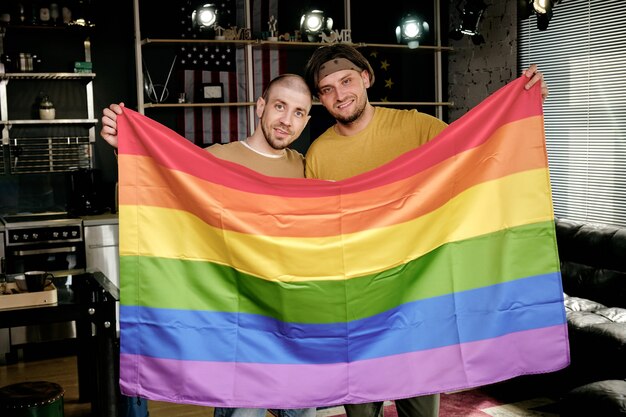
(365, 137)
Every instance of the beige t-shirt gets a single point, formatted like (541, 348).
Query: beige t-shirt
(288, 165)
(391, 133)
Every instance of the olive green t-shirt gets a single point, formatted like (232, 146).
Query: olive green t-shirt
(391, 133)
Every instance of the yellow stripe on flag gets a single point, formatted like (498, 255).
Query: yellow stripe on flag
(472, 213)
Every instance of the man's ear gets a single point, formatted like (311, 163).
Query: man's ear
(260, 106)
(366, 78)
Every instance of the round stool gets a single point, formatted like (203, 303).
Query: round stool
(32, 399)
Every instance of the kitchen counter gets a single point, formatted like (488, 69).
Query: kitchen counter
(94, 220)
(100, 219)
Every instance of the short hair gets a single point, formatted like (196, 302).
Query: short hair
(293, 81)
(323, 54)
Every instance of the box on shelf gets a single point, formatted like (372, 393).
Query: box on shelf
(83, 66)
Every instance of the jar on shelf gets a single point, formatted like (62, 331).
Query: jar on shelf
(46, 109)
(25, 62)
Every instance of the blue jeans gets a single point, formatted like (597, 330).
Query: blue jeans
(260, 412)
(133, 407)
(423, 406)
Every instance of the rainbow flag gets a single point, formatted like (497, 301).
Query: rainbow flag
(438, 271)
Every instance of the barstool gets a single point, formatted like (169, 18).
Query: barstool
(32, 399)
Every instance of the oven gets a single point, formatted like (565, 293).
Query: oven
(51, 242)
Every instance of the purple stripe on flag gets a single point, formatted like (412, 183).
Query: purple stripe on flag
(399, 376)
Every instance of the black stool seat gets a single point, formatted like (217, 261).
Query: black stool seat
(32, 399)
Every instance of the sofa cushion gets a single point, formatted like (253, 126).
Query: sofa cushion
(603, 398)
(603, 334)
(605, 286)
(598, 246)
(597, 337)
(580, 304)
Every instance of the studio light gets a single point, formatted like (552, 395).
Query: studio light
(313, 23)
(471, 15)
(410, 30)
(542, 8)
(204, 17)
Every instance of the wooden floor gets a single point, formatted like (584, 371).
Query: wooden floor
(63, 372)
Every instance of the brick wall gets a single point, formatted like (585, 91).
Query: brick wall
(474, 71)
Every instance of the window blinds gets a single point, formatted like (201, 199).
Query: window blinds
(583, 57)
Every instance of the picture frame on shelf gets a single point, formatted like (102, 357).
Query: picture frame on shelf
(211, 93)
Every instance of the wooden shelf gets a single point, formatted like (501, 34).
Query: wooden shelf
(148, 41)
(411, 103)
(49, 122)
(48, 76)
(285, 44)
(250, 104)
(183, 105)
(250, 47)
(78, 29)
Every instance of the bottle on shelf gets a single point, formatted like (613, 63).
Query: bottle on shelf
(19, 14)
(55, 14)
(46, 108)
(34, 14)
(44, 14)
(66, 14)
(5, 15)
(25, 62)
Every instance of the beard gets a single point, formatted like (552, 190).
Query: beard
(358, 111)
(276, 144)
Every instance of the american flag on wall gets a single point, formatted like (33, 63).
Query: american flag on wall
(268, 63)
(225, 64)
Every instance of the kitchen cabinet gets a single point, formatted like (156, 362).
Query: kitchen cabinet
(31, 144)
(147, 45)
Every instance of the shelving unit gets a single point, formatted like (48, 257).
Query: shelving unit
(252, 44)
(49, 149)
(5, 78)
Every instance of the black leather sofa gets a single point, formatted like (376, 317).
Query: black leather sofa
(593, 270)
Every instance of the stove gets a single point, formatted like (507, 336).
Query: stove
(41, 228)
(51, 242)
(37, 217)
